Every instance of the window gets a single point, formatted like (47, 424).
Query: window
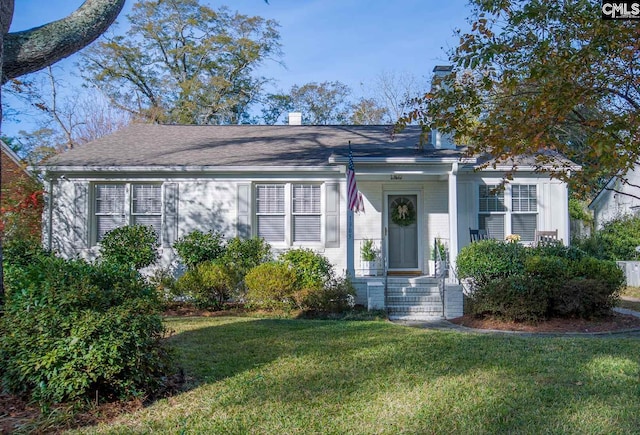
(524, 207)
(491, 211)
(270, 212)
(306, 213)
(289, 213)
(117, 205)
(520, 218)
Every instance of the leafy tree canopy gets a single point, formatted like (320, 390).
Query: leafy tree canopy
(182, 62)
(538, 75)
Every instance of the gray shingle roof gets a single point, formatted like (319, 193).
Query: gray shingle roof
(244, 145)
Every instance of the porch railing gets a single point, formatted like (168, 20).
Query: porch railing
(441, 263)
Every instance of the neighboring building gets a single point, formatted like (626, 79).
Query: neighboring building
(288, 185)
(620, 196)
(12, 168)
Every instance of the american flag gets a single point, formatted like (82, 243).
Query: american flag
(353, 195)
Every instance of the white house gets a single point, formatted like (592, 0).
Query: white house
(620, 196)
(288, 185)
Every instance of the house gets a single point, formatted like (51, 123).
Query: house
(619, 197)
(288, 185)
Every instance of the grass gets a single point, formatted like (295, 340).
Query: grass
(274, 376)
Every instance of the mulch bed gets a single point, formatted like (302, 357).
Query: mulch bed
(612, 323)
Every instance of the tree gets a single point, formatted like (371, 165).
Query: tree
(537, 76)
(367, 111)
(182, 62)
(322, 103)
(395, 91)
(274, 107)
(64, 122)
(31, 50)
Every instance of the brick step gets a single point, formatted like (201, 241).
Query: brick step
(412, 291)
(435, 309)
(413, 299)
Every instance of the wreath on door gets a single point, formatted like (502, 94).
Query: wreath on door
(403, 212)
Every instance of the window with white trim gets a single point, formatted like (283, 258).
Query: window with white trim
(289, 213)
(524, 211)
(491, 211)
(117, 205)
(270, 212)
(521, 217)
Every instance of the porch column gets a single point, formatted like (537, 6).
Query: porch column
(453, 216)
(350, 242)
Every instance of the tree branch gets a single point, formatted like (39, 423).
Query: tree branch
(34, 49)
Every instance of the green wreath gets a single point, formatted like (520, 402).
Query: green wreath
(403, 212)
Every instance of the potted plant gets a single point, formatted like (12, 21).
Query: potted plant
(369, 255)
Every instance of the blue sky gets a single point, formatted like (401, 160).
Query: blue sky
(351, 41)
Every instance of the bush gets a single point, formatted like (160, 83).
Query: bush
(607, 272)
(616, 240)
(243, 255)
(21, 251)
(74, 330)
(488, 260)
(313, 270)
(515, 298)
(208, 284)
(134, 246)
(336, 296)
(584, 298)
(271, 286)
(198, 247)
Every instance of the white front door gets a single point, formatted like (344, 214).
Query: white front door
(402, 222)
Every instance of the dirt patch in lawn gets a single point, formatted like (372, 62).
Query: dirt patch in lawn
(613, 323)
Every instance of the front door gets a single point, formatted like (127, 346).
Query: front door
(402, 221)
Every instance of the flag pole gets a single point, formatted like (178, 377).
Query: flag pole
(350, 236)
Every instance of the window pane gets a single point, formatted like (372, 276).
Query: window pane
(104, 224)
(149, 221)
(494, 224)
(524, 225)
(490, 200)
(306, 199)
(271, 228)
(270, 198)
(110, 198)
(146, 199)
(306, 228)
(523, 198)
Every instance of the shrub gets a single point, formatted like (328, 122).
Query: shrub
(74, 330)
(20, 251)
(607, 272)
(336, 296)
(242, 255)
(135, 246)
(313, 270)
(198, 247)
(271, 285)
(616, 240)
(582, 298)
(487, 260)
(515, 298)
(208, 284)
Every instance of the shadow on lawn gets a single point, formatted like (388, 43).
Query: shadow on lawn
(540, 383)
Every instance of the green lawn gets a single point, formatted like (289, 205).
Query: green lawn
(309, 376)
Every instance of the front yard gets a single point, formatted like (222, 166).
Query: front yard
(250, 375)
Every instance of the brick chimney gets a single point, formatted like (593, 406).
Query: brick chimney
(295, 118)
(438, 140)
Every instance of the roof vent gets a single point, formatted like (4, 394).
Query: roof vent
(295, 118)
